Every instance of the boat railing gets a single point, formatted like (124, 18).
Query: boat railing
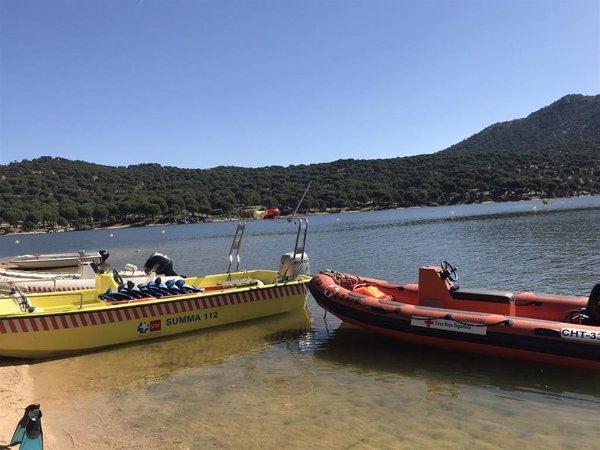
(291, 263)
(234, 252)
(302, 225)
(27, 302)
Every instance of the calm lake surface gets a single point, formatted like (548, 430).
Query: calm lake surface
(303, 380)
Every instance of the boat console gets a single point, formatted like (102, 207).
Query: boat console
(437, 289)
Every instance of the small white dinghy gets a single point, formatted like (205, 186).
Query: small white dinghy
(57, 260)
(61, 281)
(85, 278)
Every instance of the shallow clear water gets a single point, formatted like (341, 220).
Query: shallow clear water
(303, 380)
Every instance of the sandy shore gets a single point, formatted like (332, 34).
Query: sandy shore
(16, 392)
(66, 424)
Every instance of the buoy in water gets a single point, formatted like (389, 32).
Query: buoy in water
(110, 235)
(163, 231)
(17, 242)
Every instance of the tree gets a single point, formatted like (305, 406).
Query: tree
(69, 212)
(32, 219)
(85, 211)
(12, 216)
(152, 209)
(49, 216)
(100, 213)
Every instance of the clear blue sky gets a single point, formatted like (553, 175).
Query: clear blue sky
(205, 83)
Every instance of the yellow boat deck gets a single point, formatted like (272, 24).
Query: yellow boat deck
(88, 299)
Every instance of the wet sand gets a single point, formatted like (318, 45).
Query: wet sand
(17, 392)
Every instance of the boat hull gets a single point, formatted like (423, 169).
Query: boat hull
(490, 334)
(53, 263)
(49, 335)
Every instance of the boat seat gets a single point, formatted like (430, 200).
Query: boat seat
(482, 295)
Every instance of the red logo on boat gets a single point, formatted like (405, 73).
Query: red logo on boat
(155, 325)
(429, 322)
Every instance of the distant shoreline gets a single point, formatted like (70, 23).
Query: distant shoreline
(166, 224)
(235, 218)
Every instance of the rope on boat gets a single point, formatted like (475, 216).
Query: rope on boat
(340, 278)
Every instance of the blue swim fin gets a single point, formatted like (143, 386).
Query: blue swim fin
(21, 426)
(33, 439)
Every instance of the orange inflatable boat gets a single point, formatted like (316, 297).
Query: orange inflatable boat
(436, 312)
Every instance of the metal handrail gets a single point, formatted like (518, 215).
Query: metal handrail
(299, 248)
(234, 252)
(52, 294)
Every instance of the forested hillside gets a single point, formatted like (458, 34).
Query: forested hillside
(571, 122)
(555, 152)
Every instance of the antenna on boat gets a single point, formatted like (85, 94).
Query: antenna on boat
(301, 200)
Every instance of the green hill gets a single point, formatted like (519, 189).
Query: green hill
(554, 152)
(571, 123)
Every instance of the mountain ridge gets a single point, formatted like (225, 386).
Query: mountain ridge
(574, 116)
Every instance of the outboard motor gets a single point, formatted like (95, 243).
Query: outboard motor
(104, 254)
(593, 306)
(291, 265)
(159, 264)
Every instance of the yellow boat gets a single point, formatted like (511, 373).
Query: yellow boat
(53, 324)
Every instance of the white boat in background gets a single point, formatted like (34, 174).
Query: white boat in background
(85, 278)
(57, 260)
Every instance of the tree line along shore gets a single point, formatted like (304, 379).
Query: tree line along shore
(553, 152)
(58, 194)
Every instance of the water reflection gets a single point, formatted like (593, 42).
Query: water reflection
(445, 372)
(129, 366)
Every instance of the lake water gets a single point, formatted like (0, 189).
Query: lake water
(304, 380)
